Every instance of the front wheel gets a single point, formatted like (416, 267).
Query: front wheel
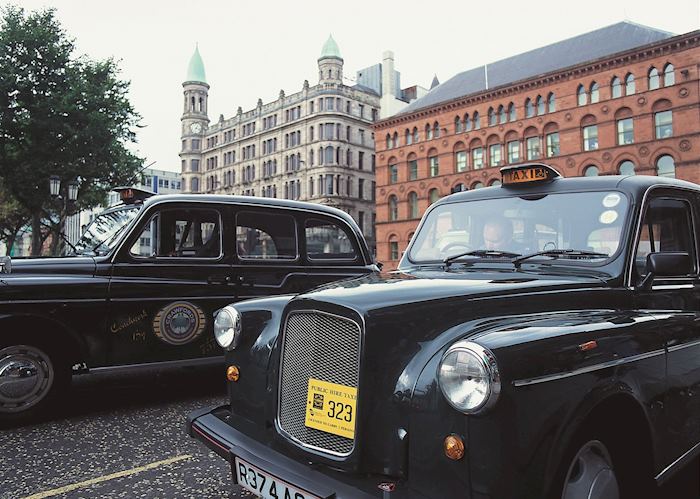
(30, 376)
(590, 474)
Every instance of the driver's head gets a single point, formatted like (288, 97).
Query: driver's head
(498, 233)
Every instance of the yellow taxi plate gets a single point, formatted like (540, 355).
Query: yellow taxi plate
(331, 408)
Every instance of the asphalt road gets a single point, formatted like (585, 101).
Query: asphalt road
(132, 425)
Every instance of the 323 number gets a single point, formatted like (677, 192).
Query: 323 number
(340, 411)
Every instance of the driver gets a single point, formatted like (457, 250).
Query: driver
(498, 234)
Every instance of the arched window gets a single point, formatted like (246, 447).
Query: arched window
(433, 195)
(476, 119)
(595, 93)
(393, 248)
(491, 117)
(616, 88)
(428, 132)
(629, 84)
(393, 208)
(458, 124)
(502, 114)
(551, 103)
(395, 140)
(540, 105)
(529, 108)
(626, 168)
(590, 171)
(408, 138)
(412, 205)
(669, 75)
(458, 188)
(320, 155)
(436, 130)
(582, 95)
(511, 112)
(666, 166)
(495, 182)
(477, 185)
(415, 134)
(467, 123)
(653, 78)
(388, 141)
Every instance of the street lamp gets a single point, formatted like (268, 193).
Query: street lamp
(55, 185)
(72, 191)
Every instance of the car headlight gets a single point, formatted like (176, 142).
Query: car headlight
(468, 377)
(227, 327)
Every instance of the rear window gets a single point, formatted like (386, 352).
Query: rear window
(326, 240)
(265, 236)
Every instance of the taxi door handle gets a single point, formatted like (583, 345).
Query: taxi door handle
(219, 279)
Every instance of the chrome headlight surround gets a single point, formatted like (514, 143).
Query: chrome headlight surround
(227, 327)
(484, 368)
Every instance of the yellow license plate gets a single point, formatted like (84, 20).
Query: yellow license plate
(331, 408)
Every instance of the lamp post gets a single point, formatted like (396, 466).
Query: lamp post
(71, 197)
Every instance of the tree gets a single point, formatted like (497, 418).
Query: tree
(13, 218)
(59, 115)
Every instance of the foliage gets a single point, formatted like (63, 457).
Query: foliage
(59, 115)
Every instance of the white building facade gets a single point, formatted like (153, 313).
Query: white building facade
(314, 145)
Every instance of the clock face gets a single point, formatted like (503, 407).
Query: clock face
(196, 127)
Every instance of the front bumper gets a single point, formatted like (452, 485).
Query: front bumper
(208, 426)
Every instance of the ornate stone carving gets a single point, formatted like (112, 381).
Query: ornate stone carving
(444, 142)
(685, 145)
(445, 181)
(570, 162)
(382, 191)
(421, 148)
(641, 101)
(607, 157)
(683, 92)
(422, 185)
(501, 128)
(605, 109)
(644, 151)
(520, 124)
(401, 153)
(381, 156)
(402, 188)
(539, 120)
(567, 116)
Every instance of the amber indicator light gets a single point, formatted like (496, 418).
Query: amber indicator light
(454, 447)
(233, 373)
(589, 345)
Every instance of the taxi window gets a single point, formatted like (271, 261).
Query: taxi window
(180, 233)
(265, 236)
(666, 227)
(328, 241)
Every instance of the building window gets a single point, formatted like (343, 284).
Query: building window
(540, 105)
(666, 166)
(393, 208)
(433, 195)
(413, 169)
(627, 168)
(495, 155)
(551, 103)
(532, 145)
(436, 130)
(512, 116)
(513, 151)
(595, 93)
(663, 121)
(388, 140)
(194, 165)
(616, 88)
(669, 75)
(591, 171)
(393, 250)
(461, 161)
(502, 118)
(625, 131)
(467, 123)
(476, 120)
(409, 138)
(458, 125)
(653, 78)
(477, 158)
(194, 184)
(477, 185)
(428, 132)
(491, 117)
(582, 95)
(629, 84)
(529, 108)
(412, 205)
(393, 174)
(434, 166)
(395, 140)
(552, 144)
(415, 134)
(361, 188)
(590, 138)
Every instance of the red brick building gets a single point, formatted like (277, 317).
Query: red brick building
(621, 99)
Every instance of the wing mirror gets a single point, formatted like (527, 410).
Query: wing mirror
(666, 264)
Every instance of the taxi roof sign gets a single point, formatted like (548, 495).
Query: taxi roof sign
(531, 172)
(132, 195)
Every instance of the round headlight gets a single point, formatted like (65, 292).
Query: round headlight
(468, 377)
(227, 327)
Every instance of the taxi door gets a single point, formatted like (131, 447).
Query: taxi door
(168, 278)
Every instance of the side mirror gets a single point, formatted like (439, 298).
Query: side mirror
(666, 264)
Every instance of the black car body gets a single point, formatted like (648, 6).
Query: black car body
(571, 371)
(144, 281)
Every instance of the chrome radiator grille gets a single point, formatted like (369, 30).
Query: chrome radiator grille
(322, 346)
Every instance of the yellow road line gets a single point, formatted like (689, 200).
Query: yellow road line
(104, 478)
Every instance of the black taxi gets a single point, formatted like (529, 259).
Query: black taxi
(540, 339)
(141, 285)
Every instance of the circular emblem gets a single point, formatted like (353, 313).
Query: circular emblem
(179, 323)
(444, 142)
(605, 109)
(421, 148)
(684, 145)
(422, 185)
(683, 92)
(641, 101)
(644, 151)
(445, 181)
(567, 116)
(381, 156)
(402, 188)
(607, 156)
(570, 162)
(401, 153)
(520, 124)
(382, 191)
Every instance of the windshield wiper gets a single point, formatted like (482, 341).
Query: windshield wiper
(557, 253)
(483, 253)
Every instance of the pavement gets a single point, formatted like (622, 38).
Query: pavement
(122, 436)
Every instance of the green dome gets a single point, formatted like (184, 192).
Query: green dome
(195, 71)
(330, 49)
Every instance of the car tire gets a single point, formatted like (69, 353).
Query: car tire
(32, 376)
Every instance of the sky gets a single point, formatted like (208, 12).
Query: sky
(253, 49)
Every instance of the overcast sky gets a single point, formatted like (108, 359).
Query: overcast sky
(252, 49)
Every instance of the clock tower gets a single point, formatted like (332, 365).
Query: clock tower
(194, 123)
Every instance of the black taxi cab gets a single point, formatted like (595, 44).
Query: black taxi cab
(540, 339)
(142, 283)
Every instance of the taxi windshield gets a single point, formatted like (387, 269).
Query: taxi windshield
(103, 232)
(587, 222)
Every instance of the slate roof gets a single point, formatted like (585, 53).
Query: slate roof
(589, 46)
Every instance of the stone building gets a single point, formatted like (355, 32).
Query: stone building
(621, 99)
(314, 145)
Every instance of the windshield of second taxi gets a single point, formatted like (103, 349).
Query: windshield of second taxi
(587, 221)
(103, 232)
